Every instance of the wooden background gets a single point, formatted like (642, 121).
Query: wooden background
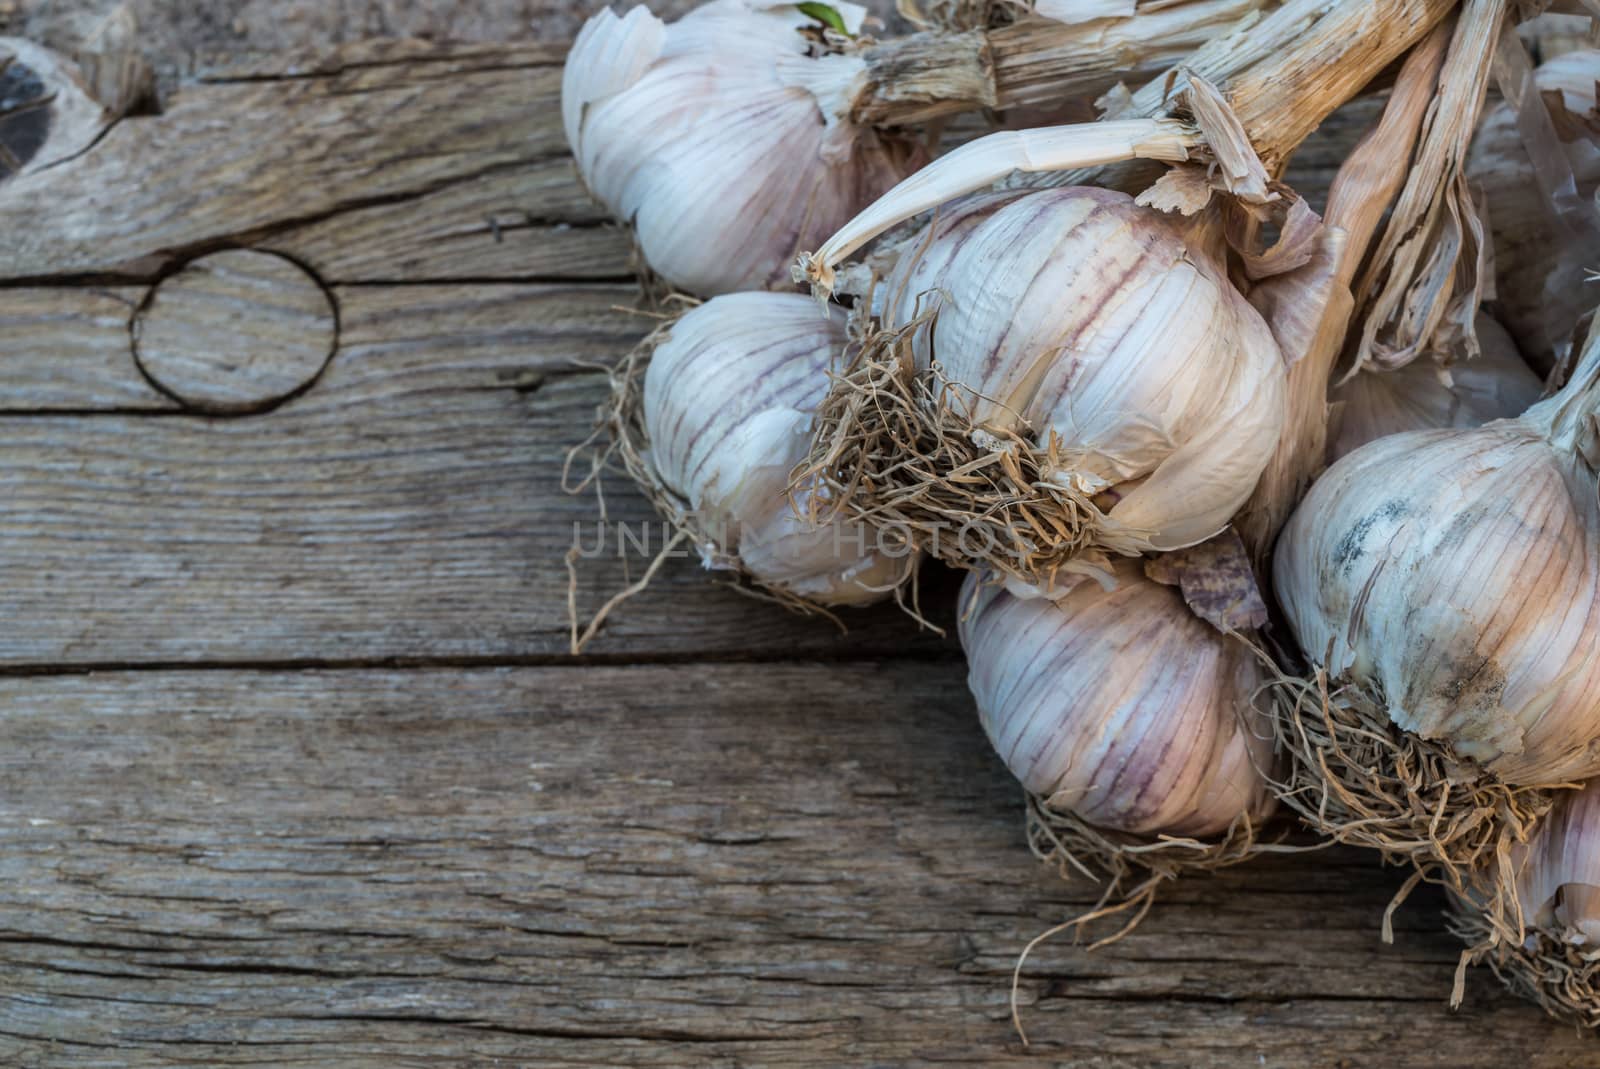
(295, 769)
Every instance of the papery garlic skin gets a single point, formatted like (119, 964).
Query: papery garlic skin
(721, 139)
(728, 402)
(1527, 241)
(1558, 872)
(1456, 576)
(1119, 705)
(1076, 312)
(1496, 384)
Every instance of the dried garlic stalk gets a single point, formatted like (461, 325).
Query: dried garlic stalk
(1282, 77)
(1310, 307)
(1033, 61)
(1420, 293)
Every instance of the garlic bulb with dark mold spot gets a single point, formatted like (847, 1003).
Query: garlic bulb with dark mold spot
(728, 401)
(1119, 706)
(723, 137)
(1453, 577)
(1496, 384)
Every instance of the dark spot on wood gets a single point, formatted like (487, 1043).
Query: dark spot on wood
(24, 115)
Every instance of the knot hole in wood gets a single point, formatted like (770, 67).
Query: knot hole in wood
(236, 332)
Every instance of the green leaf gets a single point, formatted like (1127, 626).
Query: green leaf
(826, 14)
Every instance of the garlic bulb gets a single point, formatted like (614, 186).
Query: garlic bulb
(722, 137)
(1119, 705)
(1558, 872)
(1454, 576)
(1528, 242)
(1076, 313)
(1496, 384)
(728, 402)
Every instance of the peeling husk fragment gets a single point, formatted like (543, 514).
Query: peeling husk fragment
(1356, 778)
(1216, 581)
(901, 452)
(1537, 158)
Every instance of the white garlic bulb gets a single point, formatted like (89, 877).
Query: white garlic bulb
(1558, 871)
(1078, 313)
(1527, 241)
(1422, 395)
(1454, 575)
(721, 137)
(1119, 705)
(728, 402)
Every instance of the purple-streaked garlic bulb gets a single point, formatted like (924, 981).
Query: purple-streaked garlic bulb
(728, 401)
(1077, 313)
(723, 137)
(1119, 705)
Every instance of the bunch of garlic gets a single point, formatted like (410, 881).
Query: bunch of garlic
(1528, 242)
(1119, 705)
(1422, 395)
(728, 401)
(1077, 315)
(1454, 577)
(723, 137)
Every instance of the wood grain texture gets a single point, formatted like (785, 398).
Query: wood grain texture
(70, 349)
(235, 331)
(295, 769)
(408, 507)
(247, 154)
(525, 223)
(789, 864)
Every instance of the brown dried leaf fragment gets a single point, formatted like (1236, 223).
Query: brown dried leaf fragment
(1216, 580)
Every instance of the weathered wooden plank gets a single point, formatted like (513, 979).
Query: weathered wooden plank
(380, 56)
(530, 222)
(408, 506)
(783, 864)
(70, 349)
(477, 336)
(236, 331)
(229, 160)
